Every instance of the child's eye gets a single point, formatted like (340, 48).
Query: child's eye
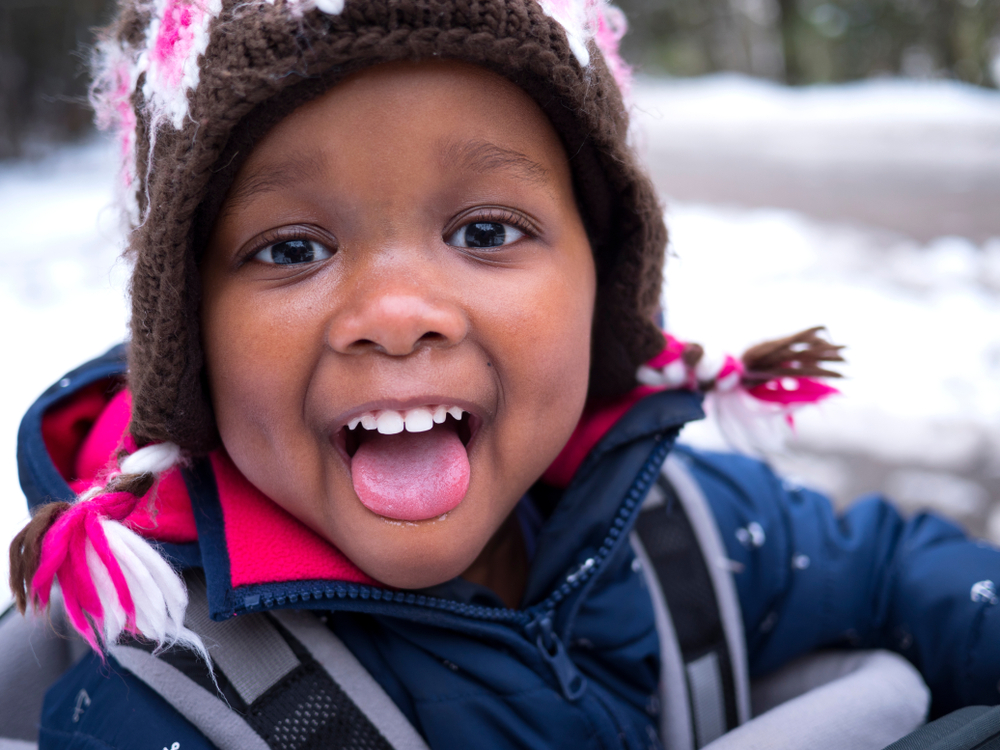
(293, 252)
(484, 234)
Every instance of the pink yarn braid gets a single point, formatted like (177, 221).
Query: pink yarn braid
(64, 556)
(792, 391)
(787, 391)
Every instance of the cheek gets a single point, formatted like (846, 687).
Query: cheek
(254, 354)
(545, 377)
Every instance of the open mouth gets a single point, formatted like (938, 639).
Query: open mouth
(409, 465)
(371, 424)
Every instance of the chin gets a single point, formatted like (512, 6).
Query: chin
(417, 571)
(415, 556)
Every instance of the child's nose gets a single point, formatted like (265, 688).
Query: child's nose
(397, 323)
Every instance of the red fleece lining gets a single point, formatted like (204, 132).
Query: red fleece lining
(595, 422)
(171, 518)
(67, 425)
(268, 544)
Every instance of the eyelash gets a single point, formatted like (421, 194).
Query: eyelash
(499, 215)
(285, 234)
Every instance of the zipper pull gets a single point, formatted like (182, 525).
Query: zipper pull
(572, 683)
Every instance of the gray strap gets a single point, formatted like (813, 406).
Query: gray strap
(34, 652)
(216, 720)
(703, 523)
(230, 642)
(873, 698)
(676, 731)
(705, 680)
(17, 745)
(353, 678)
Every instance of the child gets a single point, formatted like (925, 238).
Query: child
(395, 275)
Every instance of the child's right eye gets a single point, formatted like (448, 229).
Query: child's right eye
(293, 252)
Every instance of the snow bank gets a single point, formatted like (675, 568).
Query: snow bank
(889, 121)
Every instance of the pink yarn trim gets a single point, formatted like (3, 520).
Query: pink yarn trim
(174, 40)
(171, 519)
(611, 27)
(729, 367)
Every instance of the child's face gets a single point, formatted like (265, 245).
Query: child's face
(409, 239)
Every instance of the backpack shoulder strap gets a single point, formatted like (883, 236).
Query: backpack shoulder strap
(223, 727)
(34, 651)
(697, 611)
(358, 685)
(286, 681)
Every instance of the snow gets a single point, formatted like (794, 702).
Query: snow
(922, 322)
(893, 121)
(921, 318)
(61, 290)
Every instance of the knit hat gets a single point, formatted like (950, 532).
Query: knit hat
(190, 85)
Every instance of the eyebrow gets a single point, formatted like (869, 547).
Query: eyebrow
(472, 155)
(270, 177)
(483, 156)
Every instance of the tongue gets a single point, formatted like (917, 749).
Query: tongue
(411, 476)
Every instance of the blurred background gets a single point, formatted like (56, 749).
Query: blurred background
(832, 163)
(44, 43)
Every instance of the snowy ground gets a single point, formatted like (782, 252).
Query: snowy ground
(913, 288)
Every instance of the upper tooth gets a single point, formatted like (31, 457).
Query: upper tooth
(389, 422)
(368, 421)
(354, 423)
(455, 412)
(440, 414)
(419, 420)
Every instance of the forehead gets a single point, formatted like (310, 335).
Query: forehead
(439, 115)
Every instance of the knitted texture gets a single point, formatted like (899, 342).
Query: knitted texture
(191, 84)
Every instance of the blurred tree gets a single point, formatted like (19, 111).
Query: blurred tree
(43, 45)
(43, 81)
(809, 41)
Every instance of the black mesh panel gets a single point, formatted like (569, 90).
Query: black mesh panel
(308, 711)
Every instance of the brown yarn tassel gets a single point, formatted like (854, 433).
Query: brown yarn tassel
(798, 355)
(134, 484)
(26, 551)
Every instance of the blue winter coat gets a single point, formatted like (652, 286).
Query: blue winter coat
(468, 672)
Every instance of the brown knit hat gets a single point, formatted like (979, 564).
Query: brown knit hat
(192, 84)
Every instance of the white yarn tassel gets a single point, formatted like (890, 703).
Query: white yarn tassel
(153, 459)
(157, 591)
(115, 619)
(749, 425)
